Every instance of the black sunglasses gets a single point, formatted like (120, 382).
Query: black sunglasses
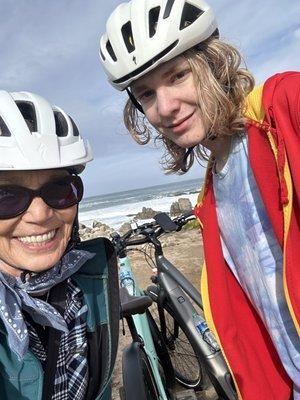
(59, 194)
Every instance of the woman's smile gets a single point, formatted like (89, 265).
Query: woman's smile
(39, 242)
(36, 239)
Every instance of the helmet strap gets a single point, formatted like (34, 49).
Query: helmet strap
(211, 136)
(75, 238)
(186, 163)
(134, 101)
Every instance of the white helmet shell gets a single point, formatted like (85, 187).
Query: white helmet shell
(142, 34)
(51, 141)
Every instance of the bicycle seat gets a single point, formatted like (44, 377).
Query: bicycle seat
(131, 305)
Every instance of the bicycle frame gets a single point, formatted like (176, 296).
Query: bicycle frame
(177, 289)
(142, 327)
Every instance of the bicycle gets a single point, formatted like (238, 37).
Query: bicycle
(140, 357)
(176, 317)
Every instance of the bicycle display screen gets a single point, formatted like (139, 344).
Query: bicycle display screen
(165, 222)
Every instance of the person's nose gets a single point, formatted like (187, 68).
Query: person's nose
(167, 102)
(38, 212)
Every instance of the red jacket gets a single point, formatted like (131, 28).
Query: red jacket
(273, 129)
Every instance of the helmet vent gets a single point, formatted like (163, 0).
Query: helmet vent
(4, 131)
(75, 129)
(168, 8)
(189, 15)
(153, 18)
(27, 110)
(128, 37)
(61, 124)
(110, 51)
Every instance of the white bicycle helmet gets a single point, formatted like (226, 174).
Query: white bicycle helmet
(35, 135)
(142, 34)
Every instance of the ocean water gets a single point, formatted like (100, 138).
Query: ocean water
(116, 208)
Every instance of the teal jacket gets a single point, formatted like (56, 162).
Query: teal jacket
(98, 280)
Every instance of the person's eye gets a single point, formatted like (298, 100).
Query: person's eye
(146, 95)
(180, 75)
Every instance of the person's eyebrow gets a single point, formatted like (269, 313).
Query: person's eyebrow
(175, 68)
(136, 89)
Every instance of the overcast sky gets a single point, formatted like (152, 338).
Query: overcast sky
(51, 48)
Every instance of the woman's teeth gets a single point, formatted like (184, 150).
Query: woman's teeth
(38, 238)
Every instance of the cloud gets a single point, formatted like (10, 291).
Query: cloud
(133, 170)
(51, 48)
(265, 32)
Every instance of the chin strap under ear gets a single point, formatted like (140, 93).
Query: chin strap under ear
(75, 238)
(211, 136)
(134, 101)
(186, 165)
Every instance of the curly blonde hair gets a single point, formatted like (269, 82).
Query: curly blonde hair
(222, 86)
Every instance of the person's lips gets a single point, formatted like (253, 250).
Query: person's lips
(40, 242)
(40, 238)
(177, 125)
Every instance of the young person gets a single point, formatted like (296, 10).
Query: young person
(199, 101)
(55, 340)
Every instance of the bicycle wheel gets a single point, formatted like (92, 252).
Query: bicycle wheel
(188, 369)
(138, 379)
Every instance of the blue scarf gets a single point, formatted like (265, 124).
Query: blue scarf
(15, 296)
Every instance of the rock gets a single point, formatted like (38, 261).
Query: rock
(97, 224)
(174, 209)
(185, 205)
(81, 225)
(98, 229)
(100, 226)
(102, 229)
(181, 206)
(85, 237)
(124, 228)
(146, 213)
(81, 232)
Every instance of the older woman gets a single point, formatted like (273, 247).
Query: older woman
(46, 340)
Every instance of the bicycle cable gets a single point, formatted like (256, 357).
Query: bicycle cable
(148, 259)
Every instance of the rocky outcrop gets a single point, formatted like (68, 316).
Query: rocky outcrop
(124, 228)
(146, 213)
(98, 229)
(181, 206)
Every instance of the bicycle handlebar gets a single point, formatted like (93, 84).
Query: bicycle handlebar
(150, 230)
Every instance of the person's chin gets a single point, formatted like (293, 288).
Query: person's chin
(187, 144)
(43, 262)
(38, 269)
(188, 139)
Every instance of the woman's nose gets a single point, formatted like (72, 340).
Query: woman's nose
(38, 211)
(167, 102)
